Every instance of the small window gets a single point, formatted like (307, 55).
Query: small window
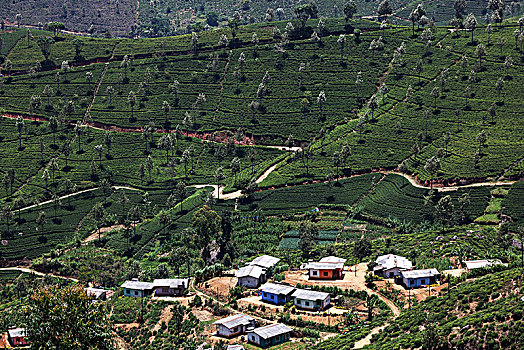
(307, 303)
(136, 293)
(411, 282)
(326, 273)
(423, 282)
(315, 273)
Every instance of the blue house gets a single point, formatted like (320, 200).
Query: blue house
(137, 289)
(419, 278)
(277, 294)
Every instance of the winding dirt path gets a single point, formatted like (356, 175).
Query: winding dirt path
(27, 270)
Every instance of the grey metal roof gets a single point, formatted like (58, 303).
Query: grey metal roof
(272, 330)
(420, 273)
(309, 294)
(171, 282)
(477, 264)
(333, 259)
(390, 261)
(96, 292)
(250, 271)
(235, 347)
(235, 320)
(17, 332)
(278, 289)
(137, 285)
(324, 265)
(266, 261)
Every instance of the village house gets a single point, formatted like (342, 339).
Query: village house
(251, 276)
(391, 265)
(96, 293)
(311, 300)
(277, 294)
(271, 335)
(265, 261)
(328, 268)
(234, 325)
(419, 278)
(173, 287)
(18, 337)
(137, 289)
(478, 264)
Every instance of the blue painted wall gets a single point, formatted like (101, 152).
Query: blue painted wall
(275, 299)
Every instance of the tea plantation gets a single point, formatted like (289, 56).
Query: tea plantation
(186, 150)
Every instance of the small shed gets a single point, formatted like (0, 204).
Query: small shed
(391, 265)
(96, 293)
(235, 347)
(277, 294)
(137, 289)
(311, 300)
(251, 276)
(18, 337)
(478, 264)
(170, 286)
(234, 325)
(271, 335)
(419, 278)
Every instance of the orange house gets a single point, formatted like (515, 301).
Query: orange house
(330, 268)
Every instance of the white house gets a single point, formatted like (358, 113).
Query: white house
(96, 293)
(251, 276)
(391, 265)
(270, 335)
(265, 261)
(478, 264)
(137, 289)
(171, 286)
(234, 325)
(311, 300)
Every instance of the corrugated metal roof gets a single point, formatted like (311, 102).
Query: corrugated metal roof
(279, 289)
(266, 261)
(171, 282)
(477, 264)
(391, 261)
(17, 332)
(272, 330)
(420, 273)
(309, 294)
(137, 285)
(333, 259)
(96, 292)
(324, 266)
(251, 271)
(235, 320)
(235, 347)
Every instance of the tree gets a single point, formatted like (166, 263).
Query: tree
(219, 177)
(7, 214)
(194, 42)
(489, 30)
(100, 150)
(308, 233)
(372, 105)
(371, 302)
(419, 69)
(480, 52)
(501, 43)
(427, 115)
(180, 193)
(126, 62)
(384, 9)
(79, 131)
(99, 215)
(435, 93)
(20, 127)
(431, 338)
(18, 204)
(166, 143)
(470, 24)
(460, 8)
(149, 166)
(53, 125)
(444, 210)
(41, 220)
(304, 12)
(321, 100)
(337, 161)
(432, 166)
(207, 223)
(499, 85)
(57, 317)
(362, 249)
(350, 8)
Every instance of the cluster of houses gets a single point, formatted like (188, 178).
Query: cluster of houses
(256, 272)
(401, 269)
(240, 324)
(172, 287)
(279, 294)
